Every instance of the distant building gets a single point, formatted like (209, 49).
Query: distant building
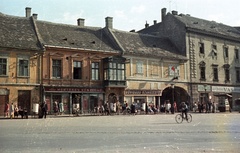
(213, 51)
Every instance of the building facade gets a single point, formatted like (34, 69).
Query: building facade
(155, 72)
(19, 63)
(213, 52)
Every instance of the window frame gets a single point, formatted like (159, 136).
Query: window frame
(2, 66)
(56, 68)
(95, 69)
(201, 48)
(215, 72)
(23, 69)
(139, 67)
(78, 68)
(202, 69)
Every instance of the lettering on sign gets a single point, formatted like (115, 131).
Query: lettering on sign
(62, 89)
(143, 92)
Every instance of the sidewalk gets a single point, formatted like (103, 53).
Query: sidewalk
(88, 115)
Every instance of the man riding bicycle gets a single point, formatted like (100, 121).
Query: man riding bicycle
(184, 109)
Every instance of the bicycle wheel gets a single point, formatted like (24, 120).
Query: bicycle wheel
(178, 118)
(189, 118)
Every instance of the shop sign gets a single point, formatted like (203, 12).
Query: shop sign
(143, 92)
(63, 89)
(225, 89)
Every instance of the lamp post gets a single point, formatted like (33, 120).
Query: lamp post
(172, 109)
(205, 97)
(205, 89)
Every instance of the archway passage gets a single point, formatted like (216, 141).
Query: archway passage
(176, 94)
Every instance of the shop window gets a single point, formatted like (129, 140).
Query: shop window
(23, 67)
(56, 68)
(77, 70)
(95, 71)
(3, 66)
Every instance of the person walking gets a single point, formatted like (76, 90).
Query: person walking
(6, 109)
(11, 111)
(44, 109)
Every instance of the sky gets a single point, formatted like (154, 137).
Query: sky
(127, 14)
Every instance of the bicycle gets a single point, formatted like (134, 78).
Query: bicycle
(179, 118)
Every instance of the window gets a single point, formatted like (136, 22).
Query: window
(236, 54)
(227, 72)
(214, 51)
(238, 75)
(227, 75)
(121, 72)
(3, 66)
(23, 67)
(215, 73)
(77, 70)
(225, 49)
(140, 67)
(202, 70)
(56, 68)
(201, 48)
(95, 71)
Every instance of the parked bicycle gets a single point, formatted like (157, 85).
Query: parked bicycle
(179, 118)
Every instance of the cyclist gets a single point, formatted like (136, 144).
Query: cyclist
(184, 109)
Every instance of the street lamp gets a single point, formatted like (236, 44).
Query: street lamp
(172, 109)
(205, 97)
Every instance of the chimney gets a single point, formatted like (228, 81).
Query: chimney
(109, 22)
(154, 22)
(80, 22)
(164, 12)
(174, 12)
(146, 25)
(28, 11)
(35, 16)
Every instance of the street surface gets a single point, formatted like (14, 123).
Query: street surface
(216, 133)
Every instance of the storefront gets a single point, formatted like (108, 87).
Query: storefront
(86, 99)
(142, 96)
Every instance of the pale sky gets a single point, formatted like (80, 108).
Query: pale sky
(127, 14)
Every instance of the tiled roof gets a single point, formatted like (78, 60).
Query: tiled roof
(146, 45)
(17, 32)
(71, 36)
(208, 26)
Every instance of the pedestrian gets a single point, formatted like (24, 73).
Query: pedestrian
(11, 111)
(55, 107)
(6, 109)
(15, 111)
(175, 106)
(61, 108)
(44, 109)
